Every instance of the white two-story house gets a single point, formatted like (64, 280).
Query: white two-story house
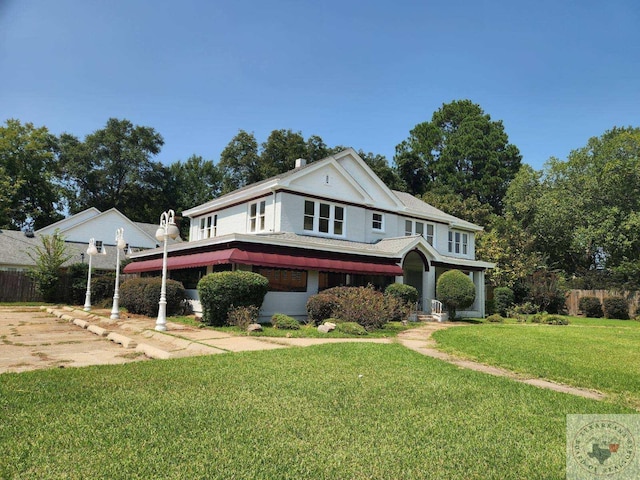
(328, 223)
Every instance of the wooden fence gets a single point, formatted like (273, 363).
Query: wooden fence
(17, 287)
(574, 296)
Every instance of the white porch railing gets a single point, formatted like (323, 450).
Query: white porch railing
(436, 311)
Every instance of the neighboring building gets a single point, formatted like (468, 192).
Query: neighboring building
(331, 222)
(77, 230)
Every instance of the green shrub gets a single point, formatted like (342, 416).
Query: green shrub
(141, 296)
(616, 307)
(102, 288)
(405, 293)
(556, 320)
(351, 328)
(495, 318)
(503, 298)
(242, 317)
(321, 306)
(366, 306)
(591, 307)
(456, 291)
(78, 273)
(537, 318)
(284, 322)
(489, 307)
(219, 291)
(546, 291)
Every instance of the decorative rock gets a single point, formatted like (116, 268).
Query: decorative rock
(81, 323)
(324, 328)
(331, 325)
(254, 327)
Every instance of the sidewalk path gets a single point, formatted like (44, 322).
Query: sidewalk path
(419, 339)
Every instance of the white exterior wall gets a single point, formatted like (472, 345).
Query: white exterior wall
(104, 228)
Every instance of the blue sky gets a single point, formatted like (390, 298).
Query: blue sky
(356, 73)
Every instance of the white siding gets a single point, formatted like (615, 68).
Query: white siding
(104, 228)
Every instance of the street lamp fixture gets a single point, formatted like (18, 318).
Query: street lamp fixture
(167, 230)
(91, 251)
(120, 245)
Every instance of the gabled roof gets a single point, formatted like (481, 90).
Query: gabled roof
(348, 164)
(92, 215)
(416, 206)
(287, 179)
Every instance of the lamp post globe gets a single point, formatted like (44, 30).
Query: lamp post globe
(167, 229)
(92, 250)
(120, 245)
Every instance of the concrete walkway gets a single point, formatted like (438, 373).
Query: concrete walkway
(31, 340)
(419, 339)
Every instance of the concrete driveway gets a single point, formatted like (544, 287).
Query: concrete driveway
(31, 339)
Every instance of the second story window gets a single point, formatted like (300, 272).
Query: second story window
(208, 227)
(378, 222)
(458, 242)
(323, 217)
(419, 228)
(257, 216)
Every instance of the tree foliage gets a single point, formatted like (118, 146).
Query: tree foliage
(462, 149)
(29, 195)
(48, 258)
(112, 167)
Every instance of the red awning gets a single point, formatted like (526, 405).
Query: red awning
(275, 260)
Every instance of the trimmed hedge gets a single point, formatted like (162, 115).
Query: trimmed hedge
(220, 291)
(406, 293)
(503, 298)
(616, 307)
(284, 322)
(591, 307)
(456, 291)
(141, 296)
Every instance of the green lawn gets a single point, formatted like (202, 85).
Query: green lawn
(355, 411)
(592, 353)
(390, 329)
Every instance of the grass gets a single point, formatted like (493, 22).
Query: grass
(591, 353)
(391, 329)
(334, 411)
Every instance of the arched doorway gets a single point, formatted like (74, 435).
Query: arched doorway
(414, 266)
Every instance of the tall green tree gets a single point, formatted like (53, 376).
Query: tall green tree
(193, 182)
(462, 149)
(113, 167)
(31, 197)
(240, 162)
(281, 150)
(380, 166)
(588, 215)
